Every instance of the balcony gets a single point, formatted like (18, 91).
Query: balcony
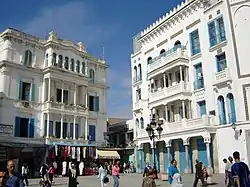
(173, 57)
(68, 109)
(25, 105)
(138, 106)
(170, 93)
(222, 77)
(184, 125)
(137, 79)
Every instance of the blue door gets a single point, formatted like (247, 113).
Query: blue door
(202, 153)
(157, 155)
(182, 156)
(143, 161)
(172, 155)
(190, 160)
(165, 158)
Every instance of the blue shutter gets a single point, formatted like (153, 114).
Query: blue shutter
(92, 132)
(77, 129)
(71, 130)
(96, 103)
(221, 29)
(165, 155)
(32, 92)
(51, 128)
(45, 128)
(203, 110)
(32, 128)
(17, 126)
(212, 34)
(20, 90)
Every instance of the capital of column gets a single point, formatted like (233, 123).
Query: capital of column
(207, 140)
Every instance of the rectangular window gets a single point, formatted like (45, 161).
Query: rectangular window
(138, 94)
(199, 81)
(24, 127)
(94, 103)
(216, 31)
(59, 96)
(92, 132)
(221, 62)
(195, 42)
(26, 91)
(202, 108)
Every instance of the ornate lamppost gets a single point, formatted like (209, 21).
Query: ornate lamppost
(154, 125)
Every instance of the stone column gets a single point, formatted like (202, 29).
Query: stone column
(44, 91)
(187, 169)
(169, 154)
(49, 88)
(187, 74)
(189, 109)
(75, 94)
(161, 155)
(47, 135)
(164, 80)
(61, 134)
(209, 167)
(181, 76)
(62, 91)
(86, 129)
(166, 113)
(74, 127)
(183, 109)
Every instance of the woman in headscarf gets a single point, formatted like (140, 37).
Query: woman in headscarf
(72, 176)
(149, 180)
(177, 181)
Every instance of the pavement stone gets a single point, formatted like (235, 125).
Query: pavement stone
(127, 180)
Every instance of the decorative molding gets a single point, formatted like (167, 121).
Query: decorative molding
(161, 43)
(193, 24)
(148, 51)
(176, 34)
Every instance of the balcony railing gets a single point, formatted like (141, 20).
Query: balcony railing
(199, 84)
(222, 76)
(137, 79)
(170, 91)
(176, 52)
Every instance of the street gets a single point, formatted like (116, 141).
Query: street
(131, 180)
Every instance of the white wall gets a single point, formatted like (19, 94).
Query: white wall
(227, 143)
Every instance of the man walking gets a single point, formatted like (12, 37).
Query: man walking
(25, 171)
(13, 179)
(198, 174)
(240, 172)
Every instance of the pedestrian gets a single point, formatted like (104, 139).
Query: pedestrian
(204, 172)
(198, 174)
(177, 181)
(13, 179)
(172, 169)
(2, 179)
(25, 171)
(146, 169)
(115, 174)
(81, 167)
(72, 176)
(240, 172)
(149, 180)
(228, 171)
(64, 168)
(103, 175)
(51, 173)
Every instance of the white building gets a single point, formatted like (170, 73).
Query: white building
(51, 89)
(192, 67)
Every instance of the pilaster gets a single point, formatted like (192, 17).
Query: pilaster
(177, 154)
(161, 155)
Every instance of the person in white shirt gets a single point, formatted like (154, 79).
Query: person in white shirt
(25, 171)
(228, 171)
(55, 167)
(102, 174)
(81, 167)
(64, 168)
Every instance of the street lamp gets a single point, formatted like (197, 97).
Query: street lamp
(154, 125)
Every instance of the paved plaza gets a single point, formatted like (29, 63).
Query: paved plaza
(127, 180)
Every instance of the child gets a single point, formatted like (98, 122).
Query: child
(177, 181)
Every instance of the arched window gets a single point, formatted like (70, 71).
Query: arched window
(92, 75)
(60, 61)
(66, 63)
(140, 72)
(163, 53)
(135, 71)
(54, 59)
(137, 122)
(46, 60)
(72, 64)
(78, 66)
(83, 68)
(28, 58)
(177, 43)
(221, 107)
(150, 60)
(142, 123)
(231, 108)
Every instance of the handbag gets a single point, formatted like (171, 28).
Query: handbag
(105, 180)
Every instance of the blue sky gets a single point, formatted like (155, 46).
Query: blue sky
(111, 23)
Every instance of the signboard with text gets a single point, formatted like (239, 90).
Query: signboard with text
(6, 130)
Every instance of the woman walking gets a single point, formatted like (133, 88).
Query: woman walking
(103, 175)
(51, 173)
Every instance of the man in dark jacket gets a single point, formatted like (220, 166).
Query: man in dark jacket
(198, 174)
(146, 169)
(13, 179)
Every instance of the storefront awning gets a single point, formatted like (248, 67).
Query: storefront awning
(103, 154)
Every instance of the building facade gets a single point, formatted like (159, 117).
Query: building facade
(191, 67)
(52, 91)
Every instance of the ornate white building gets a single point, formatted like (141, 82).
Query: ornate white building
(51, 89)
(192, 67)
